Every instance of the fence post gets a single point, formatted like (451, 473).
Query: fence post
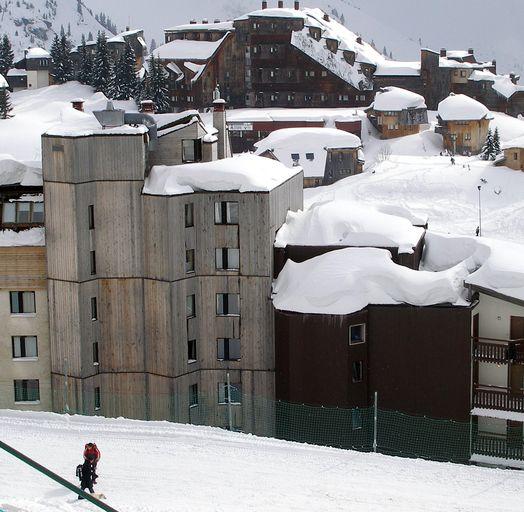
(375, 415)
(229, 412)
(66, 386)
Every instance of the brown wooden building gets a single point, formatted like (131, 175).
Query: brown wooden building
(513, 154)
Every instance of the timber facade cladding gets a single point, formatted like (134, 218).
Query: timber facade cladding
(140, 287)
(416, 358)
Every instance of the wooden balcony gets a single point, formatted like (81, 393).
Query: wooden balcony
(501, 447)
(498, 351)
(491, 397)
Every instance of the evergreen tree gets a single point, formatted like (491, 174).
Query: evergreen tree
(102, 67)
(6, 56)
(5, 104)
(90, 36)
(125, 75)
(86, 64)
(62, 61)
(496, 143)
(152, 46)
(156, 87)
(488, 150)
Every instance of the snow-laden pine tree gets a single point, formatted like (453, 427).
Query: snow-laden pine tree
(86, 64)
(62, 61)
(5, 104)
(488, 150)
(6, 55)
(125, 83)
(157, 88)
(496, 144)
(102, 67)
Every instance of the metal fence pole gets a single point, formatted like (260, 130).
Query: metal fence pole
(66, 386)
(229, 412)
(375, 416)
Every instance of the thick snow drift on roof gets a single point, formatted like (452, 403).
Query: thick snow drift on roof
(273, 13)
(396, 99)
(223, 25)
(398, 68)
(347, 223)
(501, 83)
(16, 72)
(459, 107)
(451, 63)
(164, 120)
(313, 141)
(495, 265)
(514, 143)
(37, 53)
(14, 172)
(182, 49)
(29, 237)
(345, 281)
(328, 116)
(245, 173)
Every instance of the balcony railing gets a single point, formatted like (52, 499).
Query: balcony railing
(502, 399)
(501, 447)
(498, 351)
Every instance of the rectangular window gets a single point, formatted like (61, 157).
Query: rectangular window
(9, 213)
(94, 309)
(18, 212)
(191, 351)
(98, 399)
(193, 395)
(96, 360)
(37, 213)
(357, 371)
(91, 216)
(189, 215)
(191, 150)
(310, 156)
(24, 346)
(190, 260)
(515, 156)
(228, 349)
(228, 304)
(231, 394)
(295, 157)
(467, 136)
(226, 212)
(227, 258)
(92, 262)
(23, 213)
(22, 302)
(324, 73)
(27, 390)
(357, 334)
(190, 306)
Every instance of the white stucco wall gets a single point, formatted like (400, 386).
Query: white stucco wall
(495, 316)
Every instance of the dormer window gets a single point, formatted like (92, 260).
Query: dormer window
(315, 33)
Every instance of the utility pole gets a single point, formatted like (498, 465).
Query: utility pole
(480, 212)
(229, 411)
(375, 417)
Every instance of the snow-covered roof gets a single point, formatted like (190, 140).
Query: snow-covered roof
(312, 141)
(116, 39)
(458, 54)
(328, 116)
(26, 237)
(197, 69)
(14, 172)
(501, 83)
(348, 223)
(182, 49)
(244, 173)
(213, 27)
(514, 143)
(397, 68)
(37, 53)
(165, 120)
(444, 62)
(273, 13)
(16, 72)
(397, 99)
(347, 280)
(3, 83)
(459, 107)
(494, 265)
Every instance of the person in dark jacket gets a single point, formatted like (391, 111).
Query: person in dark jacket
(86, 473)
(92, 454)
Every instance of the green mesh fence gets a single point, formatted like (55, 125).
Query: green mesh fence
(396, 433)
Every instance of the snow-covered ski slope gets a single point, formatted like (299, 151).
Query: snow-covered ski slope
(161, 467)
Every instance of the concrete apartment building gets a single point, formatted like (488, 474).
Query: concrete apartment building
(158, 288)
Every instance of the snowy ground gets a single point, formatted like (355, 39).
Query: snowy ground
(416, 177)
(152, 466)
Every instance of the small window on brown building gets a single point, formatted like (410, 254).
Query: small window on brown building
(190, 261)
(515, 156)
(188, 213)
(357, 334)
(357, 371)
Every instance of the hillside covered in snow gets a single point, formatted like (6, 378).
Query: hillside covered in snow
(165, 467)
(30, 23)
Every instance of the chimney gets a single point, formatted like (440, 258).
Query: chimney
(326, 16)
(127, 28)
(297, 5)
(78, 104)
(192, 22)
(217, 21)
(280, 4)
(443, 52)
(219, 122)
(204, 22)
(111, 117)
(264, 4)
(147, 106)
(359, 40)
(471, 51)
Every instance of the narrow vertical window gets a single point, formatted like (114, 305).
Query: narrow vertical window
(189, 215)
(98, 399)
(91, 216)
(92, 262)
(96, 360)
(94, 309)
(356, 371)
(191, 351)
(190, 261)
(193, 395)
(190, 306)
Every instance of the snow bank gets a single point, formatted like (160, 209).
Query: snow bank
(396, 99)
(14, 172)
(27, 237)
(183, 49)
(245, 173)
(347, 223)
(347, 280)
(301, 141)
(459, 107)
